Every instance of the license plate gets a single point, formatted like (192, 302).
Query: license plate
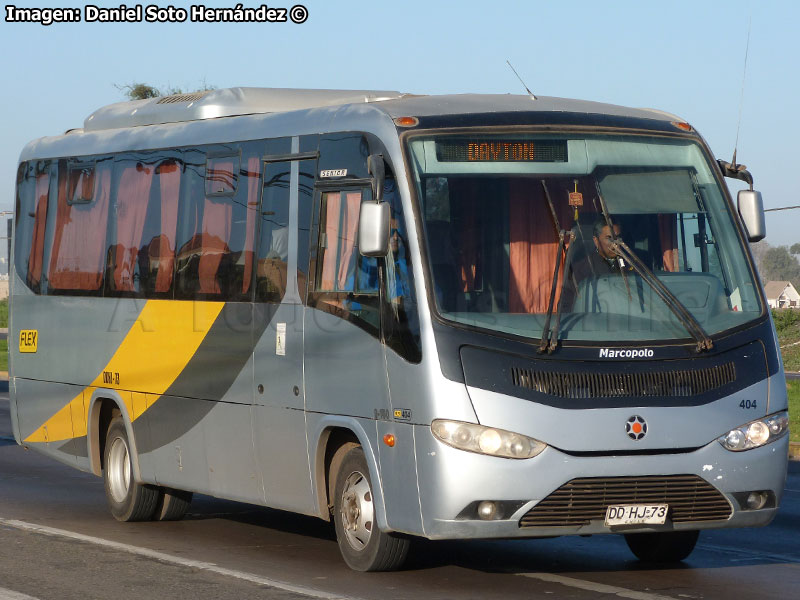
(636, 514)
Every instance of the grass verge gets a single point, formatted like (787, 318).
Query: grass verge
(793, 387)
(3, 355)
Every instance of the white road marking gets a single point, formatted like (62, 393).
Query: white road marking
(591, 586)
(751, 554)
(167, 558)
(12, 595)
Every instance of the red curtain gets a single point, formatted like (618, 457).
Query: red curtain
(532, 246)
(340, 231)
(217, 216)
(332, 210)
(40, 219)
(80, 234)
(668, 234)
(469, 238)
(133, 195)
(169, 177)
(347, 242)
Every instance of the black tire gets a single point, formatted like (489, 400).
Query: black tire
(172, 504)
(363, 545)
(127, 499)
(662, 547)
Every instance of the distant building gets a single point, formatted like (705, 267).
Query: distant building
(782, 294)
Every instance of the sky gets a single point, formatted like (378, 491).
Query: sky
(687, 58)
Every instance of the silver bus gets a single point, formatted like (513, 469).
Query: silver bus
(446, 317)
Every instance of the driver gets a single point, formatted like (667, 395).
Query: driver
(602, 261)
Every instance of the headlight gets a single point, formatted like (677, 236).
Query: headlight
(756, 433)
(486, 440)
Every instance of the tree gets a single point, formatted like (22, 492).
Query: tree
(139, 91)
(759, 249)
(795, 249)
(779, 265)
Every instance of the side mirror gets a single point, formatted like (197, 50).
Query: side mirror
(751, 209)
(374, 221)
(377, 169)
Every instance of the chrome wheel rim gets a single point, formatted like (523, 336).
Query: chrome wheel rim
(357, 511)
(119, 470)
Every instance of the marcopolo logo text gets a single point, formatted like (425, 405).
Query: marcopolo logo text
(638, 353)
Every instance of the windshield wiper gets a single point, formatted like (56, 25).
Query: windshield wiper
(686, 318)
(549, 340)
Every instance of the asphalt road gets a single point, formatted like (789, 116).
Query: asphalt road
(58, 541)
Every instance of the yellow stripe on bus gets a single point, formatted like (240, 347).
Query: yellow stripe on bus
(157, 348)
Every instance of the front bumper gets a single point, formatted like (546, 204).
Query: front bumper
(451, 479)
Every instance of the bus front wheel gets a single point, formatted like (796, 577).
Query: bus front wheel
(662, 546)
(363, 545)
(127, 499)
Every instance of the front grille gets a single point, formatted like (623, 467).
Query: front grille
(690, 498)
(579, 385)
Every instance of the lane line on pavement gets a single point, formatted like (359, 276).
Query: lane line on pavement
(168, 558)
(591, 586)
(6, 594)
(751, 554)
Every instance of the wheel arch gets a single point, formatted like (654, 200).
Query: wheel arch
(329, 435)
(103, 406)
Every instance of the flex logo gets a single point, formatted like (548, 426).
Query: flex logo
(28, 340)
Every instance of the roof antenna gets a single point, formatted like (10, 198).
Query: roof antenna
(530, 93)
(741, 99)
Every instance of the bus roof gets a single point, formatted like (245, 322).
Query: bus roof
(255, 113)
(247, 101)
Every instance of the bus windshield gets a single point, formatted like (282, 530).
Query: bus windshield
(495, 207)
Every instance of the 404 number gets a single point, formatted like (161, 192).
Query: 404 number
(748, 404)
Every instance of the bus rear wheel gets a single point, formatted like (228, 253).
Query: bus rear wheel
(363, 545)
(662, 546)
(172, 504)
(127, 499)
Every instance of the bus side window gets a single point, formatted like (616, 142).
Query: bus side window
(217, 224)
(273, 248)
(133, 178)
(141, 253)
(33, 187)
(161, 247)
(404, 335)
(346, 283)
(76, 258)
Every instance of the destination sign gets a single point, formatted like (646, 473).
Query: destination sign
(501, 150)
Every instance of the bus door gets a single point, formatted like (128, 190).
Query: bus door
(281, 268)
(345, 369)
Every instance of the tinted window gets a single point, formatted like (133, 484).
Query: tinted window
(343, 269)
(346, 283)
(273, 252)
(79, 238)
(143, 221)
(217, 229)
(33, 185)
(305, 198)
(403, 336)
